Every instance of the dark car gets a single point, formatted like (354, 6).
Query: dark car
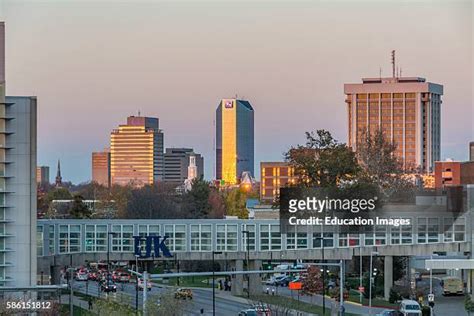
(284, 281)
(108, 286)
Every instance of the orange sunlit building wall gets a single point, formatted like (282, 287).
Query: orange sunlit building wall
(273, 176)
(406, 109)
(136, 152)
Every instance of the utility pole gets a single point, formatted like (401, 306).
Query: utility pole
(145, 291)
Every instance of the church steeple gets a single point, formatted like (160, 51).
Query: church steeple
(58, 176)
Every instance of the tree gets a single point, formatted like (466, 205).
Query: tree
(322, 161)
(198, 198)
(156, 201)
(381, 166)
(216, 204)
(235, 203)
(78, 209)
(313, 283)
(59, 194)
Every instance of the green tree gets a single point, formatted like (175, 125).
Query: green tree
(322, 161)
(78, 209)
(59, 194)
(198, 198)
(235, 203)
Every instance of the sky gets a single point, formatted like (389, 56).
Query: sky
(93, 63)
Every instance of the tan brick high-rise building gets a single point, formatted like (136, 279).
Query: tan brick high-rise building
(101, 167)
(136, 152)
(407, 109)
(273, 176)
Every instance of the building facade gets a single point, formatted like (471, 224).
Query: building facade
(18, 186)
(101, 167)
(406, 109)
(42, 175)
(178, 163)
(234, 140)
(273, 176)
(471, 151)
(453, 173)
(136, 152)
(18, 197)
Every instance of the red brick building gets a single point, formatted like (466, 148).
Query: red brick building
(453, 173)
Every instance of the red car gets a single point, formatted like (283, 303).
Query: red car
(93, 275)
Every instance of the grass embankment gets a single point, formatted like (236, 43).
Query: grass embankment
(289, 303)
(354, 296)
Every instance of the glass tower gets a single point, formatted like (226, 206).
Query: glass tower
(234, 140)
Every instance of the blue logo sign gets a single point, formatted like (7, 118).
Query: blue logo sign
(152, 243)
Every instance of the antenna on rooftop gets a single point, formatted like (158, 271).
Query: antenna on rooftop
(139, 113)
(393, 63)
(400, 71)
(380, 72)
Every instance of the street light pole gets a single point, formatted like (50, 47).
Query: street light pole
(136, 285)
(214, 283)
(108, 255)
(246, 232)
(360, 272)
(370, 281)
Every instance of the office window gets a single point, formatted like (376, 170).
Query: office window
(39, 241)
(328, 240)
(251, 237)
(201, 237)
(226, 237)
(176, 237)
(96, 238)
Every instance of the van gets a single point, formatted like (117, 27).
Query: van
(452, 285)
(410, 308)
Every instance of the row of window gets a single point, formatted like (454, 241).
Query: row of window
(226, 236)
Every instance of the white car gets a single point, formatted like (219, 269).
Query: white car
(410, 308)
(82, 276)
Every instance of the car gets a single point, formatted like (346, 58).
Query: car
(141, 284)
(410, 308)
(81, 276)
(275, 280)
(122, 277)
(418, 276)
(248, 312)
(93, 275)
(108, 286)
(183, 294)
(284, 281)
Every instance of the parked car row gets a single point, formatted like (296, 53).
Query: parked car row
(83, 274)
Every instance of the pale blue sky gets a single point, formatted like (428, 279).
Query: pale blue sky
(92, 63)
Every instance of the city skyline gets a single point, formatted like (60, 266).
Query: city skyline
(183, 60)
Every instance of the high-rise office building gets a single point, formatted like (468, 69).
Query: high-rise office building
(406, 109)
(234, 140)
(101, 167)
(177, 162)
(42, 175)
(273, 176)
(471, 151)
(17, 184)
(136, 152)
